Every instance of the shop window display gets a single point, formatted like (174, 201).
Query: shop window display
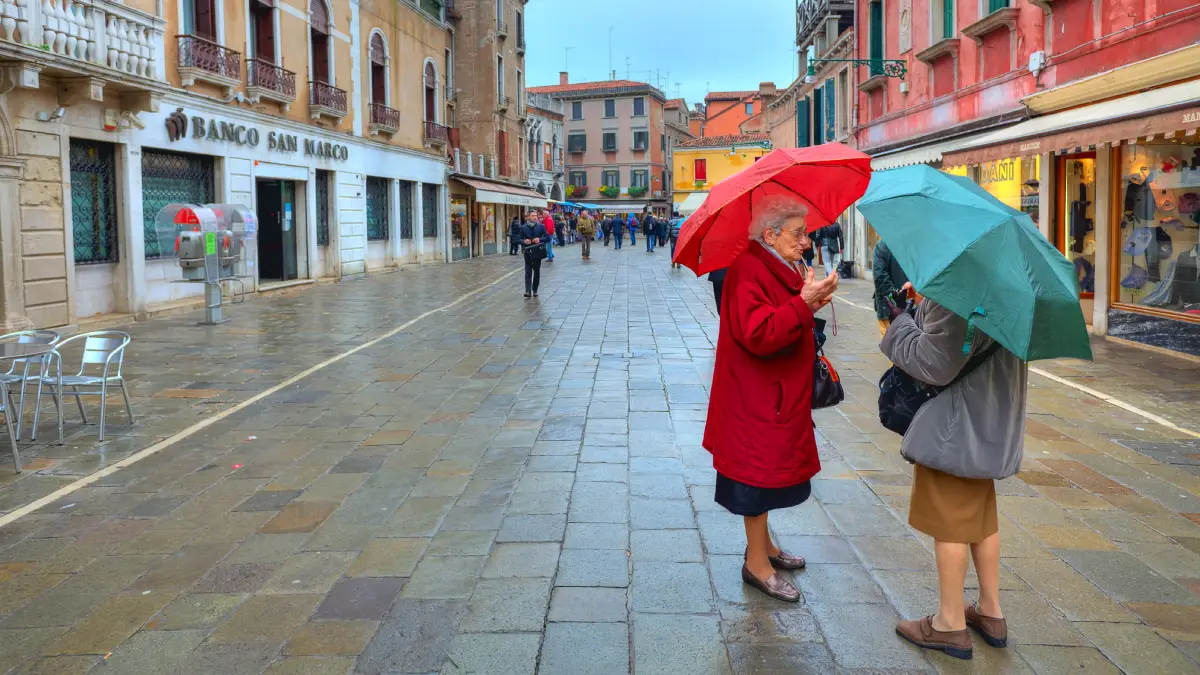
(460, 245)
(1160, 227)
(1077, 217)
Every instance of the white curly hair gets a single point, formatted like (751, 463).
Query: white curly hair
(772, 212)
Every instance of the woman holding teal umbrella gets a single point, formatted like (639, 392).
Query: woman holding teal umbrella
(997, 294)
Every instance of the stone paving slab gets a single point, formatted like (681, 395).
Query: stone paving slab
(512, 486)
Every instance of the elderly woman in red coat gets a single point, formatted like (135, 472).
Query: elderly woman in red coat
(760, 427)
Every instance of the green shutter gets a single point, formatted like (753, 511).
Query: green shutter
(948, 18)
(802, 133)
(876, 30)
(818, 116)
(996, 5)
(830, 110)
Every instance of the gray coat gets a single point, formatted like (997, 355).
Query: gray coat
(976, 428)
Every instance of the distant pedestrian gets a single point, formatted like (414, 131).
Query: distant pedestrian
(632, 223)
(533, 233)
(832, 246)
(573, 225)
(548, 223)
(889, 279)
(560, 227)
(606, 228)
(661, 230)
(587, 230)
(675, 225)
(514, 235)
(649, 229)
(618, 231)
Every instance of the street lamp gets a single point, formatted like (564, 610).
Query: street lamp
(897, 68)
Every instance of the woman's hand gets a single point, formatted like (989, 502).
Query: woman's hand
(817, 294)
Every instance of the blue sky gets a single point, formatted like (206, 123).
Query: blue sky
(713, 45)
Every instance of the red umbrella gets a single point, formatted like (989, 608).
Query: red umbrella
(827, 178)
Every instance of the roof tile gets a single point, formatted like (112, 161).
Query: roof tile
(728, 140)
(730, 95)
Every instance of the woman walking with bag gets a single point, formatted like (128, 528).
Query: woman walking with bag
(534, 241)
(961, 441)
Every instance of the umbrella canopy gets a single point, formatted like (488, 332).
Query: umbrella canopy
(827, 178)
(981, 259)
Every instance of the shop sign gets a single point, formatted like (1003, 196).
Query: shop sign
(249, 136)
(997, 172)
(1191, 117)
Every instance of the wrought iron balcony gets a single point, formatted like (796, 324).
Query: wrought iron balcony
(812, 14)
(384, 120)
(436, 134)
(451, 95)
(206, 61)
(265, 80)
(501, 29)
(85, 46)
(326, 100)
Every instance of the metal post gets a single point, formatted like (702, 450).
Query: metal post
(212, 303)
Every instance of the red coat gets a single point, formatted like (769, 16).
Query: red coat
(549, 223)
(760, 428)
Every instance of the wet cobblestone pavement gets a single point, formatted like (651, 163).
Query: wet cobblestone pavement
(511, 486)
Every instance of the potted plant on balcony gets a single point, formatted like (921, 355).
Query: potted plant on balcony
(577, 190)
(636, 191)
(610, 190)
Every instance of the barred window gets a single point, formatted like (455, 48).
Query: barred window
(93, 202)
(429, 205)
(378, 214)
(171, 178)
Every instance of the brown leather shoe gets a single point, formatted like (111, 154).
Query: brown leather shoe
(920, 632)
(787, 561)
(993, 631)
(777, 587)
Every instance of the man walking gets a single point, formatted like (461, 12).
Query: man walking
(618, 230)
(606, 228)
(632, 223)
(649, 229)
(548, 223)
(676, 223)
(587, 230)
(514, 235)
(889, 278)
(832, 246)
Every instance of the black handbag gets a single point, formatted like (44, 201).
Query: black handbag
(535, 252)
(901, 395)
(827, 386)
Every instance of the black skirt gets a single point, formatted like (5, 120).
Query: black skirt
(747, 500)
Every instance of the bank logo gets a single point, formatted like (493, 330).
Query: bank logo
(177, 125)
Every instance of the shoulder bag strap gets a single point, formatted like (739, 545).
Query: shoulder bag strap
(975, 362)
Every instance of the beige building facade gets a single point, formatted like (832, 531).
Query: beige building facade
(329, 118)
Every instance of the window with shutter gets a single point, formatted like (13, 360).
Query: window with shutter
(802, 132)
(610, 108)
(947, 18)
(612, 178)
(996, 5)
(701, 169)
(430, 93)
(378, 56)
(830, 92)
(875, 31)
(577, 110)
(639, 106)
(263, 30)
(641, 140)
(577, 143)
(319, 38)
(610, 141)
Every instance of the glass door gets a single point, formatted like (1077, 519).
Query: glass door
(1075, 221)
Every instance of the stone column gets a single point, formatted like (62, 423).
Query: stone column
(1104, 218)
(131, 272)
(12, 301)
(1046, 190)
(419, 221)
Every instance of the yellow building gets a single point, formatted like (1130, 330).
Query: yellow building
(704, 162)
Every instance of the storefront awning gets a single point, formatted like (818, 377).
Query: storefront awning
(1142, 116)
(503, 193)
(691, 203)
(926, 154)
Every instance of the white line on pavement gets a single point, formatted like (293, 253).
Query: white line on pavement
(1112, 400)
(203, 424)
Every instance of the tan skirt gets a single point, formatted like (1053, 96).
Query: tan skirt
(953, 509)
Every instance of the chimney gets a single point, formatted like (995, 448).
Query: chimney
(767, 89)
(562, 77)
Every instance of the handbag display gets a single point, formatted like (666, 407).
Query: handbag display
(901, 395)
(535, 252)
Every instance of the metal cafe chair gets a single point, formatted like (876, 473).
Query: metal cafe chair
(19, 373)
(103, 349)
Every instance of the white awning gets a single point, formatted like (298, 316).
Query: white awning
(691, 203)
(500, 193)
(926, 154)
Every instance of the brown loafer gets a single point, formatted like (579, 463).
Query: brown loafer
(920, 632)
(777, 587)
(787, 561)
(993, 631)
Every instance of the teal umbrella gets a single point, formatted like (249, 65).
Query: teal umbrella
(981, 259)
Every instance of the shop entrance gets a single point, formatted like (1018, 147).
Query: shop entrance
(1075, 221)
(276, 230)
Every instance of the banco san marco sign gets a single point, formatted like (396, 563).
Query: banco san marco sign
(179, 125)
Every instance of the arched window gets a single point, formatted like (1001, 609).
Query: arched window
(318, 36)
(431, 81)
(379, 64)
(262, 30)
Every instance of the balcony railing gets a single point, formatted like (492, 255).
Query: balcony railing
(384, 119)
(811, 16)
(326, 99)
(96, 32)
(267, 80)
(501, 28)
(205, 60)
(436, 133)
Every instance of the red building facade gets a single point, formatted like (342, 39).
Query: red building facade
(1082, 113)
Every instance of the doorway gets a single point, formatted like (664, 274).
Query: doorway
(276, 231)
(1074, 221)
